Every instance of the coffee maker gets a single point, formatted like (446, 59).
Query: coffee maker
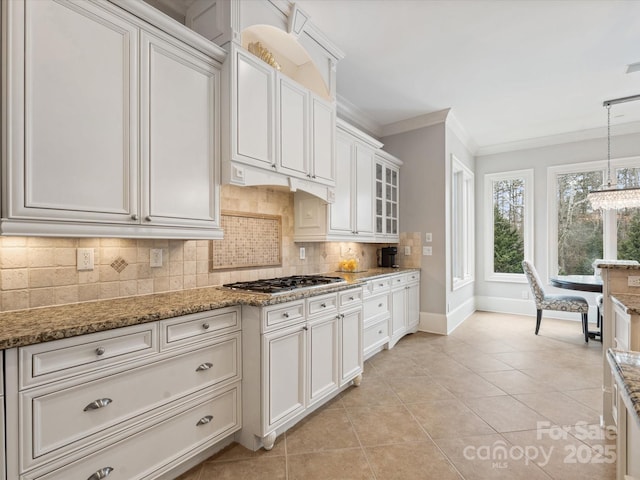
(388, 257)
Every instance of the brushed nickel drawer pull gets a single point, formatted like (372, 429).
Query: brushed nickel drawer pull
(100, 474)
(100, 351)
(323, 305)
(285, 315)
(148, 218)
(205, 326)
(134, 217)
(351, 298)
(204, 420)
(204, 366)
(96, 404)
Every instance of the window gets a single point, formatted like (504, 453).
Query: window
(509, 232)
(578, 234)
(462, 224)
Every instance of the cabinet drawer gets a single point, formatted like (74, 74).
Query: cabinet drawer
(198, 326)
(285, 314)
(198, 424)
(375, 308)
(322, 304)
(398, 281)
(413, 277)
(66, 419)
(350, 298)
(376, 335)
(50, 361)
(379, 285)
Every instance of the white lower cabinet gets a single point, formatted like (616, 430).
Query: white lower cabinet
(150, 397)
(627, 439)
(391, 310)
(308, 349)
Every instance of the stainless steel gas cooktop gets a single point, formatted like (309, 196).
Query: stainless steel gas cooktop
(284, 284)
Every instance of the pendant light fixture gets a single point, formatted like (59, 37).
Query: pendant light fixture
(609, 196)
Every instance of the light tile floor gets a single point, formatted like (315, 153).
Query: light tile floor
(491, 400)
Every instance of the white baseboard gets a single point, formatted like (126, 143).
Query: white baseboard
(445, 324)
(525, 307)
(433, 323)
(459, 314)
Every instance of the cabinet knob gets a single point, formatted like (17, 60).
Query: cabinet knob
(285, 315)
(313, 176)
(97, 404)
(148, 218)
(134, 217)
(100, 474)
(204, 420)
(273, 165)
(305, 328)
(379, 332)
(100, 351)
(379, 305)
(204, 366)
(205, 326)
(323, 305)
(351, 298)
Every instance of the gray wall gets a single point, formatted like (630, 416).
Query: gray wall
(422, 203)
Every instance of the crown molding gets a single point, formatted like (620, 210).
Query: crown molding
(550, 140)
(415, 123)
(456, 127)
(352, 114)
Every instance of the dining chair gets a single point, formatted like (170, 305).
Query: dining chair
(561, 303)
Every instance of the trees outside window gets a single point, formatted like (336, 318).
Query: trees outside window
(628, 219)
(509, 208)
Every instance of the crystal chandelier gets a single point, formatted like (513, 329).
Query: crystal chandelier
(609, 196)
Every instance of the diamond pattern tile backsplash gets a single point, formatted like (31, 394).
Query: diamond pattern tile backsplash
(39, 271)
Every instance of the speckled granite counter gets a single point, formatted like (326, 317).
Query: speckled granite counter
(36, 325)
(626, 370)
(629, 301)
(618, 264)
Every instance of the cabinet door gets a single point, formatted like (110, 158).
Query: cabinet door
(413, 305)
(340, 210)
(398, 312)
(391, 201)
(323, 127)
(364, 161)
(73, 113)
(379, 198)
(284, 366)
(252, 111)
(179, 105)
(323, 358)
(293, 133)
(351, 345)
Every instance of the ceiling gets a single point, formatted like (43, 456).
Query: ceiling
(509, 70)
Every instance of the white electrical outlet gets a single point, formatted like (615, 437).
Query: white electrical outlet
(84, 259)
(428, 237)
(407, 249)
(427, 251)
(155, 259)
(303, 253)
(633, 281)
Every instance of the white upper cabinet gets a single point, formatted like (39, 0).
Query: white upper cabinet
(387, 196)
(179, 135)
(111, 125)
(351, 216)
(72, 120)
(282, 108)
(252, 111)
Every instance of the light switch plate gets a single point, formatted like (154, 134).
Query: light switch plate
(633, 281)
(428, 237)
(407, 249)
(427, 251)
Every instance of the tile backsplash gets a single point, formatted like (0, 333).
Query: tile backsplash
(39, 271)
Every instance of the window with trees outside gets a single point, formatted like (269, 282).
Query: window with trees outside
(509, 213)
(462, 224)
(579, 234)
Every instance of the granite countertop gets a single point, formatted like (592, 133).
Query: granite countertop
(629, 301)
(626, 370)
(618, 264)
(35, 325)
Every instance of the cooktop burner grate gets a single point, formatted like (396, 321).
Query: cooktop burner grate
(284, 284)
